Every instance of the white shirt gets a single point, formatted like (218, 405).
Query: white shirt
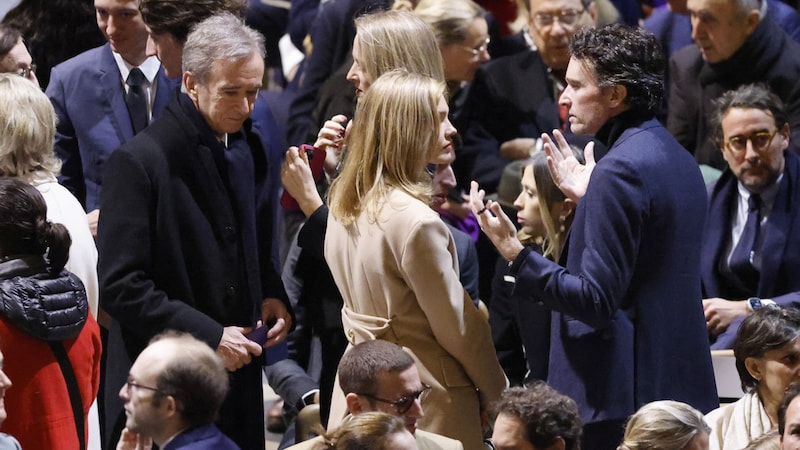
(149, 68)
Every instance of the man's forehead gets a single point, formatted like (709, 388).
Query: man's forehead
(398, 382)
(117, 4)
(553, 5)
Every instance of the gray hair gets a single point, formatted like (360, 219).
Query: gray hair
(223, 37)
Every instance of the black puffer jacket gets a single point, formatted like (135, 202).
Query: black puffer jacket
(46, 306)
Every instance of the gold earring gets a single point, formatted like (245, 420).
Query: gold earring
(562, 220)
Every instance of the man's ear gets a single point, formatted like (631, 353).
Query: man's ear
(618, 95)
(558, 444)
(190, 85)
(169, 405)
(354, 405)
(751, 21)
(784, 134)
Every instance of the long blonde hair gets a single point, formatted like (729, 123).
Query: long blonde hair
(27, 129)
(397, 40)
(396, 127)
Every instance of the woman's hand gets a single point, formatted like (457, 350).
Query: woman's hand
(568, 173)
(299, 181)
(495, 224)
(331, 137)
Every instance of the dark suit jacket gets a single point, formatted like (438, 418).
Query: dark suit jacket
(207, 437)
(510, 97)
(93, 120)
(627, 324)
(768, 55)
(178, 252)
(780, 251)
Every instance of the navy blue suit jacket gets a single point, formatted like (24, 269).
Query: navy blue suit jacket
(627, 323)
(93, 120)
(780, 250)
(207, 437)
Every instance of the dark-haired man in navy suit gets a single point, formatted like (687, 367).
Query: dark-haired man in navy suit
(627, 326)
(89, 95)
(752, 131)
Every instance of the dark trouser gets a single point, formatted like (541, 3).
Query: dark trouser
(241, 417)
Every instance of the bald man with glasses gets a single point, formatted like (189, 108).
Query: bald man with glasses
(380, 376)
(751, 249)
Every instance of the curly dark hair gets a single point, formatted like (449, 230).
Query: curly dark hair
(546, 413)
(631, 57)
(177, 17)
(766, 329)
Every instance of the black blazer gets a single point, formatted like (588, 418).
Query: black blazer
(510, 97)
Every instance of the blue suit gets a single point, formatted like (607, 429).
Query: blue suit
(780, 251)
(93, 119)
(627, 324)
(207, 437)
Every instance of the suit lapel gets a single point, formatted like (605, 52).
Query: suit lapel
(110, 82)
(718, 227)
(777, 226)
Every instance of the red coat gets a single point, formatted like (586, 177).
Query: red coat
(38, 406)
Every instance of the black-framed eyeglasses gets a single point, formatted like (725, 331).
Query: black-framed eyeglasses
(130, 383)
(478, 50)
(566, 17)
(25, 72)
(403, 404)
(760, 140)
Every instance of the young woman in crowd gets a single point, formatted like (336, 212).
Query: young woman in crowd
(544, 214)
(393, 258)
(767, 351)
(665, 425)
(50, 341)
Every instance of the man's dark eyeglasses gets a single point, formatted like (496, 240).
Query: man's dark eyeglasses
(129, 383)
(403, 404)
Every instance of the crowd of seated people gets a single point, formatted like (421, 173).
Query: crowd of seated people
(615, 270)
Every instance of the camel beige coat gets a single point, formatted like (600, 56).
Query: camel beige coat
(398, 276)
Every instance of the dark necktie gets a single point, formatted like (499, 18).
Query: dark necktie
(136, 99)
(744, 253)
